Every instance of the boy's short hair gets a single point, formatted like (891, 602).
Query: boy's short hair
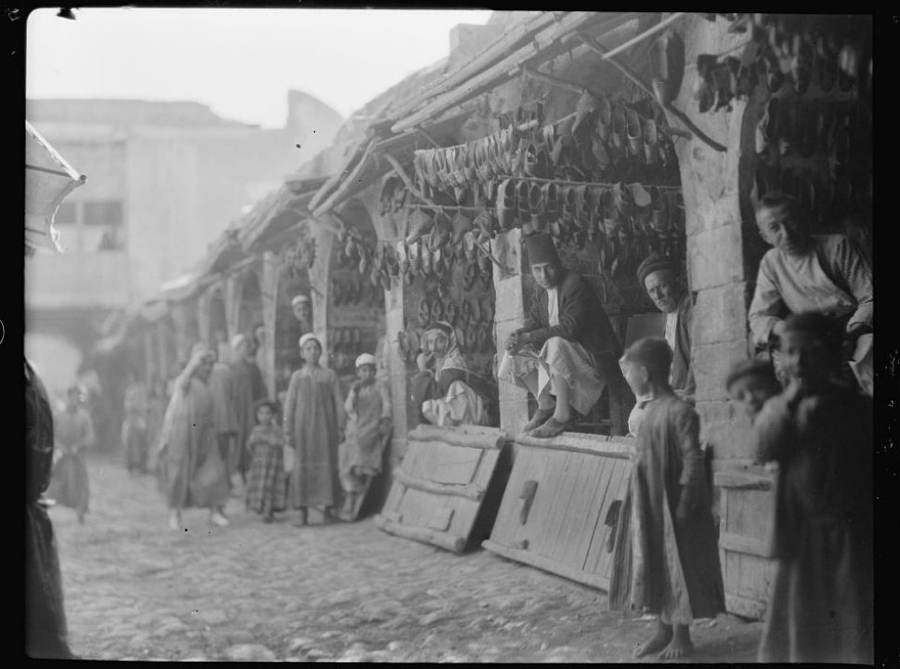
(653, 353)
(751, 367)
(819, 325)
(273, 405)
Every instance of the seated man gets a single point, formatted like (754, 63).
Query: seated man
(565, 355)
(659, 277)
(444, 387)
(804, 272)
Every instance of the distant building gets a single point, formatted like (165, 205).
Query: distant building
(163, 180)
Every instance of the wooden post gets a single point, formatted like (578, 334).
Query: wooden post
(509, 314)
(269, 290)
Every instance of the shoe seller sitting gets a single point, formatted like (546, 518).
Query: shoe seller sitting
(659, 276)
(806, 272)
(444, 388)
(565, 354)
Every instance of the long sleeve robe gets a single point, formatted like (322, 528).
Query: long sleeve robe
(666, 566)
(313, 415)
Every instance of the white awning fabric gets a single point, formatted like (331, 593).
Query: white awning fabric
(48, 179)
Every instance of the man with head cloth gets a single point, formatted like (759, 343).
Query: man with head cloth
(658, 275)
(566, 352)
(247, 388)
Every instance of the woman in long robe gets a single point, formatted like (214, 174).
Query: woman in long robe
(820, 433)
(368, 410)
(313, 417)
(192, 470)
(45, 618)
(74, 433)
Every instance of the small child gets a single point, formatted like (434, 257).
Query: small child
(368, 409)
(666, 557)
(266, 485)
(750, 383)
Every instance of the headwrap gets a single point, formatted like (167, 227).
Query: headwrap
(653, 353)
(541, 249)
(654, 263)
(751, 367)
(201, 347)
(237, 340)
(272, 404)
(365, 359)
(307, 337)
(299, 298)
(453, 358)
(818, 325)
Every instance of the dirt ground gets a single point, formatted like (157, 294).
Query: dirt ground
(340, 592)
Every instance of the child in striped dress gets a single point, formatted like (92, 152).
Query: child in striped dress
(267, 483)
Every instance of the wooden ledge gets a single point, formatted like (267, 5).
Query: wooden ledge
(591, 444)
(450, 542)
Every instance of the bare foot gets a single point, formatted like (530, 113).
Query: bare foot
(680, 646)
(659, 641)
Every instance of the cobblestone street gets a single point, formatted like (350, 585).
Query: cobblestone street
(348, 592)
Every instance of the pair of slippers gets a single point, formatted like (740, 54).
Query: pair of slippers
(544, 426)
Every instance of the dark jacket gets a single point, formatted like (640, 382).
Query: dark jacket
(682, 374)
(581, 317)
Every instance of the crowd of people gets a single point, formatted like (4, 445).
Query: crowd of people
(807, 393)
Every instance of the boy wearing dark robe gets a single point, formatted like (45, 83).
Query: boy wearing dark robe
(666, 557)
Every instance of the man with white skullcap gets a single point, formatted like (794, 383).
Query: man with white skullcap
(368, 431)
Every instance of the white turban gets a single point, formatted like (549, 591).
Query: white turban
(365, 359)
(307, 337)
(298, 299)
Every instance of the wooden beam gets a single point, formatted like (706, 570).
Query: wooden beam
(445, 540)
(738, 543)
(742, 481)
(467, 435)
(469, 491)
(344, 186)
(509, 42)
(545, 45)
(588, 444)
(541, 562)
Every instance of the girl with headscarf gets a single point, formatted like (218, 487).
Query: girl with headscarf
(442, 389)
(313, 420)
(368, 409)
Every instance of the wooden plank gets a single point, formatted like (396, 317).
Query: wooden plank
(623, 475)
(454, 544)
(530, 558)
(590, 444)
(743, 606)
(742, 480)
(547, 44)
(594, 521)
(467, 491)
(441, 519)
(484, 438)
(454, 465)
(593, 473)
(566, 493)
(509, 42)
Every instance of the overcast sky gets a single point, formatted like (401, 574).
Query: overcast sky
(241, 62)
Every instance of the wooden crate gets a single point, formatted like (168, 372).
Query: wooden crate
(747, 511)
(448, 487)
(554, 511)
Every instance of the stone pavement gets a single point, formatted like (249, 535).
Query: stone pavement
(342, 592)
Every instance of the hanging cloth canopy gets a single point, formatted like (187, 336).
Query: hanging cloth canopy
(48, 179)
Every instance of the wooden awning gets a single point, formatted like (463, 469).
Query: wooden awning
(369, 166)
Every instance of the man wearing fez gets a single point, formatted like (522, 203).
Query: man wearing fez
(565, 354)
(659, 276)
